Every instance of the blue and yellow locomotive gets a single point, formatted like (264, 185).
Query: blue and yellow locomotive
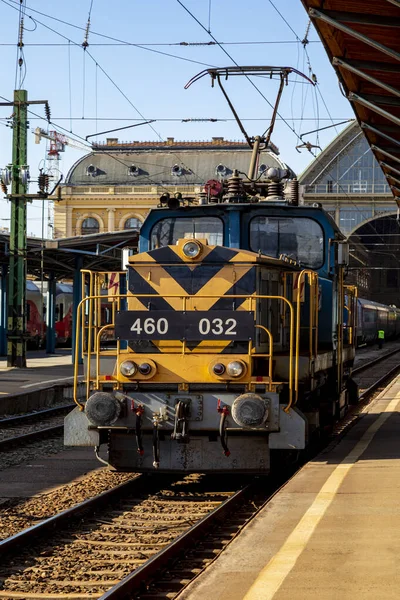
(234, 334)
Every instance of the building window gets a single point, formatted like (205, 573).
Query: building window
(132, 223)
(330, 186)
(350, 218)
(90, 225)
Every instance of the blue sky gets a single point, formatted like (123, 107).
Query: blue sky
(154, 83)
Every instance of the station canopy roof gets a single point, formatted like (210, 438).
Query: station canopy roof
(362, 39)
(99, 252)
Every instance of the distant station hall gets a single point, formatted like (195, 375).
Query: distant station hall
(348, 181)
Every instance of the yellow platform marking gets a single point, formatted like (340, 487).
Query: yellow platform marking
(274, 574)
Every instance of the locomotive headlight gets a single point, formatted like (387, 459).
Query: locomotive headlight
(128, 368)
(191, 249)
(145, 369)
(235, 368)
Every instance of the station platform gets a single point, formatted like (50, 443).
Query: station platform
(332, 531)
(43, 370)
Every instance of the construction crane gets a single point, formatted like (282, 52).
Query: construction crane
(58, 141)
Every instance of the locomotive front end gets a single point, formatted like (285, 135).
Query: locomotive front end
(190, 385)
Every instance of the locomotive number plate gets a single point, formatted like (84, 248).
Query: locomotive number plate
(178, 325)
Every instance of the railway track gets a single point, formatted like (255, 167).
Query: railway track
(148, 537)
(109, 546)
(19, 430)
(374, 374)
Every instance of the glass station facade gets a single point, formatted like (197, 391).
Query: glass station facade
(347, 179)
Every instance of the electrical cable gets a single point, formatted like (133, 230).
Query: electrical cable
(112, 81)
(304, 42)
(108, 37)
(69, 86)
(180, 120)
(182, 44)
(236, 64)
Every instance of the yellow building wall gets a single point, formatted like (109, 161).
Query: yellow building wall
(111, 212)
(110, 205)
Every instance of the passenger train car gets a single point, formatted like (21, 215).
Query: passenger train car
(371, 317)
(36, 307)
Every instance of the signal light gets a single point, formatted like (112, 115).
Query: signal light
(219, 369)
(145, 369)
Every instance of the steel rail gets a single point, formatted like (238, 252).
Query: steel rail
(136, 580)
(378, 383)
(34, 533)
(373, 362)
(25, 438)
(32, 416)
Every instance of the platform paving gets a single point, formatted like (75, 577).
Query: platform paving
(43, 370)
(331, 532)
(46, 473)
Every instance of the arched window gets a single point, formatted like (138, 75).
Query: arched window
(132, 223)
(90, 225)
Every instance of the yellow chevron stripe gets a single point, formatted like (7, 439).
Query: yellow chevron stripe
(141, 257)
(159, 280)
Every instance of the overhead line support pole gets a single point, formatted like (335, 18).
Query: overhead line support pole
(16, 341)
(16, 319)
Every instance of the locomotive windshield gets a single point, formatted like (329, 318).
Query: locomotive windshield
(168, 231)
(301, 239)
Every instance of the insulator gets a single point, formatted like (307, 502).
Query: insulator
(275, 189)
(43, 182)
(24, 175)
(47, 111)
(3, 187)
(293, 194)
(202, 198)
(85, 42)
(234, 184)
(21, 33)
(6, 175)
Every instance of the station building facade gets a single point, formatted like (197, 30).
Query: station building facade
(348, 181)
(114, 187)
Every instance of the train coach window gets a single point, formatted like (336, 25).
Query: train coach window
(168, 231)
(301, 239)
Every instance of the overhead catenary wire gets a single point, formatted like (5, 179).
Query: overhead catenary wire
(305, 41)
(149, 44)
(105, 36)
(114, 83)
(237, 65)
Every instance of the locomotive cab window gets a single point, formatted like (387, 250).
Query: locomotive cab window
(168, 231)
(301, 239)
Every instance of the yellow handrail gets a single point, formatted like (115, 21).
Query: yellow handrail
(312, 275)
(270, 355)
(292, 383)
(109, 326)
